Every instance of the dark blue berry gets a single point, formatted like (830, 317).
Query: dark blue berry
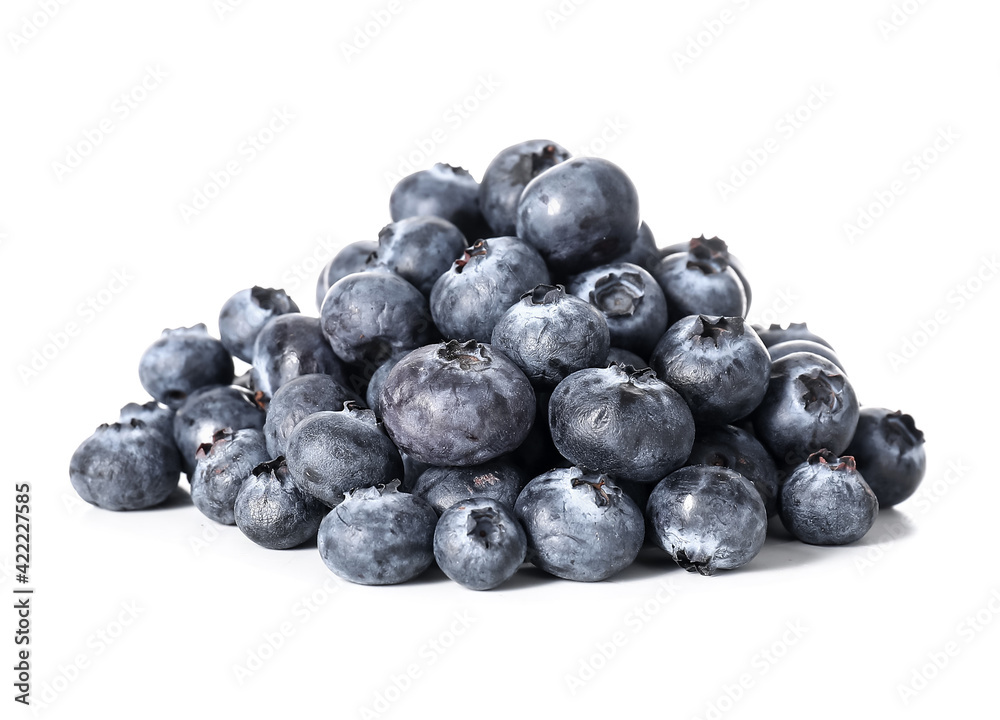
(469, 299)
(457, 404)
(580, 525)
(479, 544)
(272, 512)
(622, 422)
(245, 313)
(508, 174)
(549, 335)
(717, 364)
(826, 501)
(182, 361)
(378, 536)
(579, 214)
(707, 518)
(889, 451)
(330, 453)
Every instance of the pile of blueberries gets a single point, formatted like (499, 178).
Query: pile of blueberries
(513, 372)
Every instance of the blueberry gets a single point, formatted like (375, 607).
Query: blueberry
(731, 260)
(442, 487)
(419, 249)
(620, 356)
(274, 513)
(457, 404)
(508, 174)
(330, 453)
(245, 313)
(182, 361)
(296, 400)
(443, 191)
(156, 417)
(290, 346)
(579, 214)
(630, 299)
(889, 451)
(378, 536)
(378, 380)
(206, 412)
(622, 422)
(809, 405)
(707, 518)
(775, 334)
(643, 251)
(550, 334)
(701, 281)
(580, 525)
(367, 316)
(717, 364)
(788, 347)
(351, 259)
(125, 466)
(223, 466)
(469, 299)
(825, 501)
(479, 544)
(730, 447)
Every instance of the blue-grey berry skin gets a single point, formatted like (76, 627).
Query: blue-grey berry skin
(719, 248)
(330, 453)
(479, 543)
(351, 259)
(419, 249)
(468, 300)
(579, 214)
(775, 334)
(272, 512)
(206, 412)
(222, 468)
(643, 251)
(500, 480)
(627, 424)
(788, 347)
(289, 346)
(809, 405)
(508, 174)
(125, 467)
(701, 281)
(378, 536)
(707, 518)
(733, 448)
(245, 313)
(889, 451)
(368, 316)
(155, 416)
(549, 335)
(580, 525)
(621, 356)
(181, 361)
(717, 364)
(826, 501)
(457, 404)
(444, 191)
(632, 302)
(374, 390)
(296, 400)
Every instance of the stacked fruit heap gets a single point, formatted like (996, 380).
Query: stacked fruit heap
(523, 327)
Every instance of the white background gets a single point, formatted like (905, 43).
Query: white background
(641, 83)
